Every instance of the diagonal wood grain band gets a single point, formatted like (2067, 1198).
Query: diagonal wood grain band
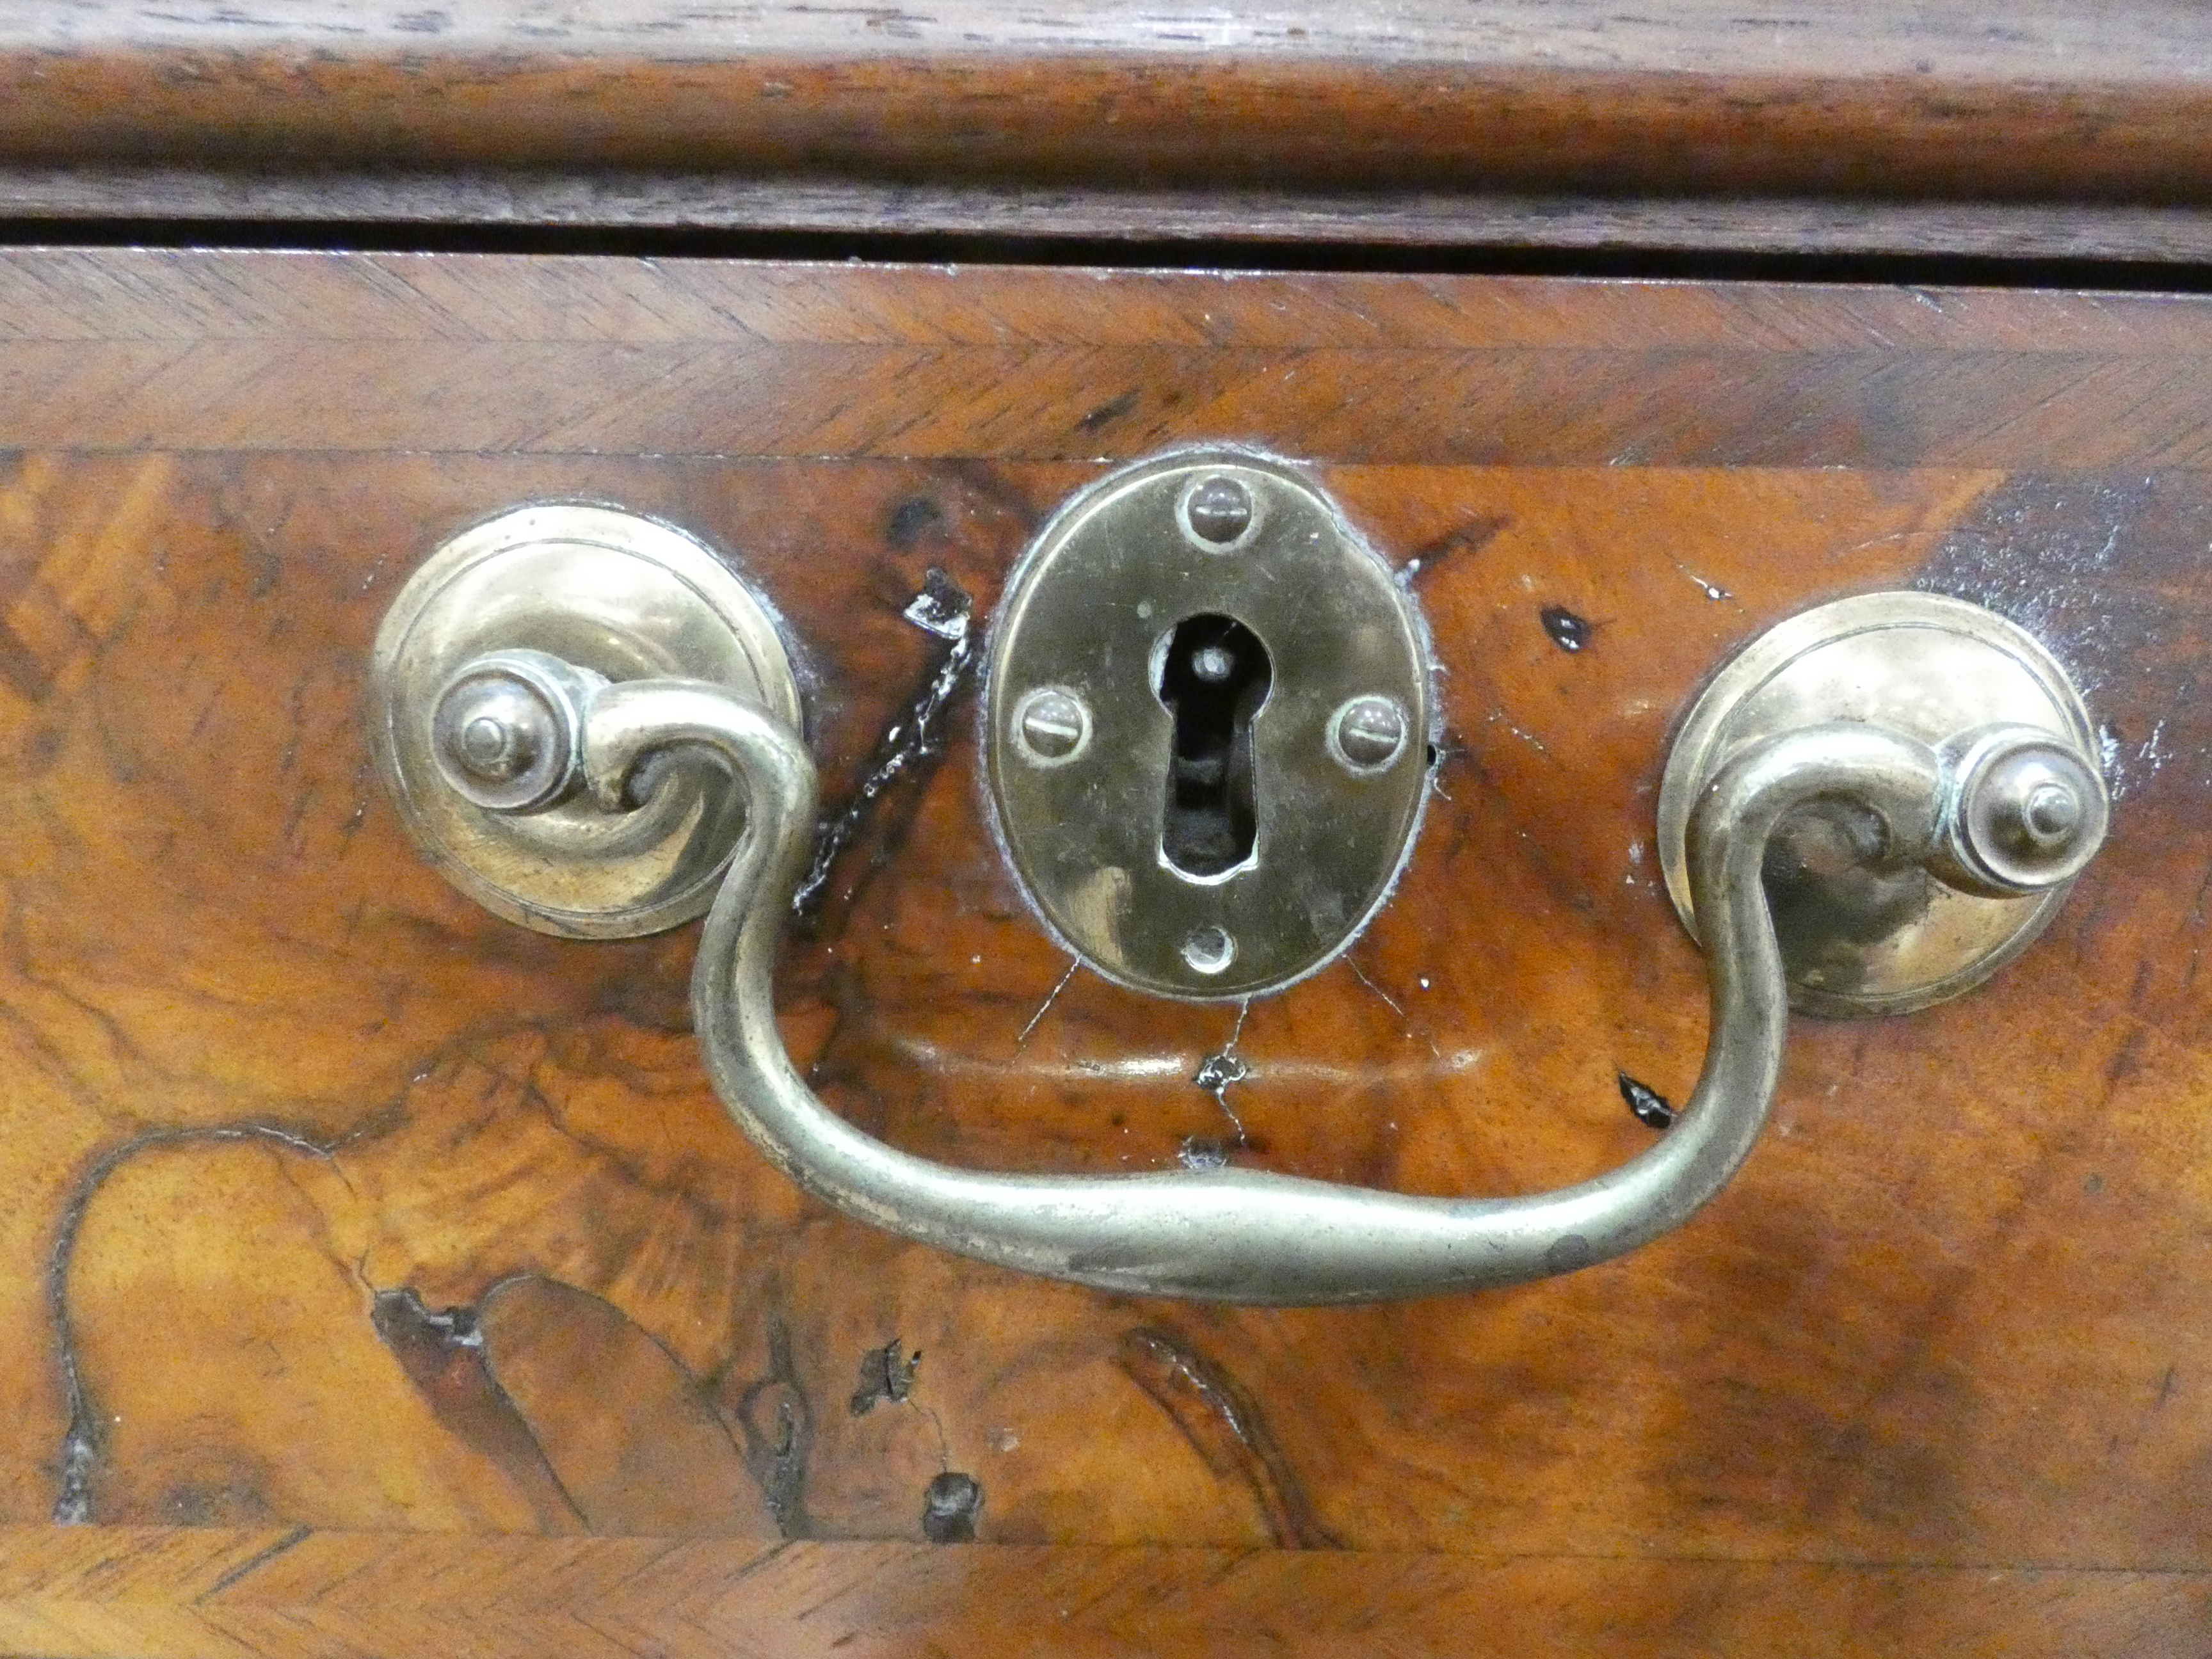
(98, 1594)
(134, 351)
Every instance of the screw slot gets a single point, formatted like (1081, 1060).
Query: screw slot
(1368, 733)
(1218, 513)
(1052, 725)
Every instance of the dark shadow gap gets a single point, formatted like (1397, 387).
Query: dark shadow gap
(1913, 269)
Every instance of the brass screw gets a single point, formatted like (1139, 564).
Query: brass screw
(1052, 724)
(1370, 730)
(1219, 511)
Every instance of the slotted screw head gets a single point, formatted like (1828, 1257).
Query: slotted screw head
(1369, 733)
(1051, 725)
(1219, 511)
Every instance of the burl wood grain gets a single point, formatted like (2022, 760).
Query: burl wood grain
(336, 1203)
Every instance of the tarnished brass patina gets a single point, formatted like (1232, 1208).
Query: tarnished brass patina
(1861, 932)
(613, 596)
(1208, 718)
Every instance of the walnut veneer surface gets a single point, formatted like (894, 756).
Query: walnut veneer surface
(340, 1210)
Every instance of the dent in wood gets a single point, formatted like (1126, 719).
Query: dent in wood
(952, 1505)
(886, 1374)
(1648, 1107)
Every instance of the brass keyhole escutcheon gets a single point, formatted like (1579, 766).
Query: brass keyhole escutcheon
(1208, 717)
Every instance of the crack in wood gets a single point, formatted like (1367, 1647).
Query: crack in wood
(944, 609)
(1217, 1074)
(82, 1443)
(442, 1352)
(777, 1451)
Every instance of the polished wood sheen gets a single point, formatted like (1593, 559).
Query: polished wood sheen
(1881, 98)
(2048, 127)
(338, 1206)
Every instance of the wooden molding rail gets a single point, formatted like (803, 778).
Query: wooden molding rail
(1303, 119)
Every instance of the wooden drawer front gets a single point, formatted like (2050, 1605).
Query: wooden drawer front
(338, 1202)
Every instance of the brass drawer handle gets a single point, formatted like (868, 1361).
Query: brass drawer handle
(2005, 811)
(1231, 1234)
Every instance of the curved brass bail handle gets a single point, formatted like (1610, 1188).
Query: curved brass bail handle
(1230, 1235)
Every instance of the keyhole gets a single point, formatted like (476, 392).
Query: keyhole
(1213, 679)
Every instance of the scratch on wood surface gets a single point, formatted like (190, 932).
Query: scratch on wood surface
(1395, 1007)
(1051, 997)
(1223, 1426)
(1712, 591)
(259, 1559)
(1498, 717)
(1470, 538)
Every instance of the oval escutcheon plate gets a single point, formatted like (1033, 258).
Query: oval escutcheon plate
(1208, 725)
